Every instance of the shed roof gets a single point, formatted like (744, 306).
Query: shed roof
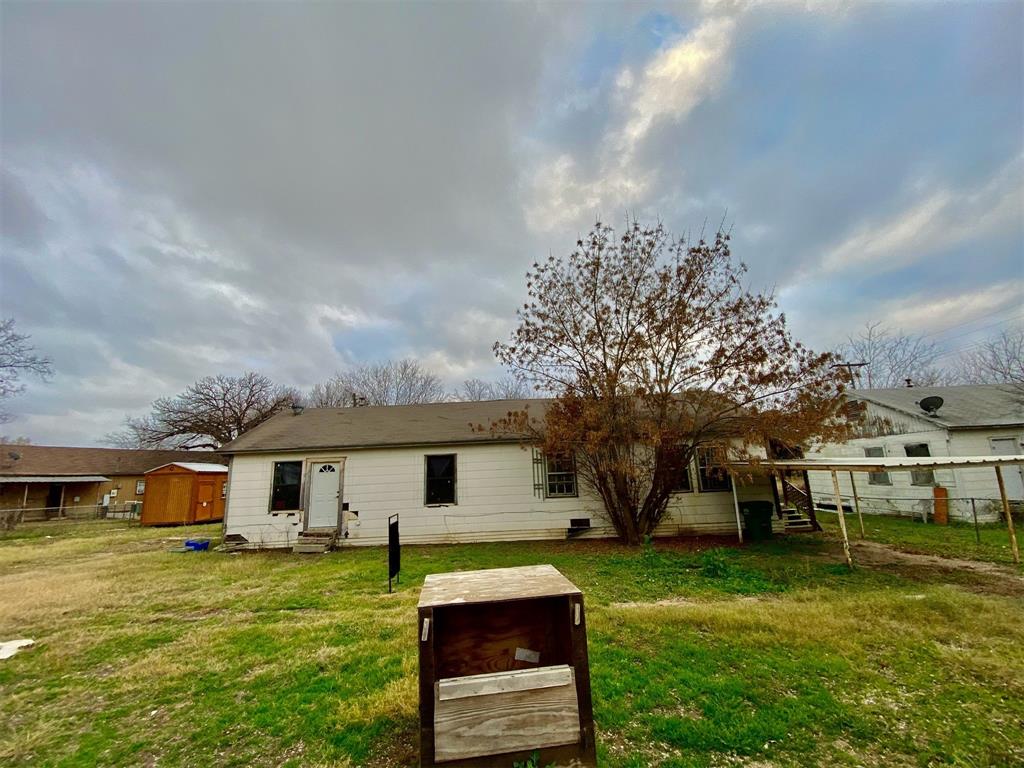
(60, 460)
(494, 585)
(381, 426)
(967, 406)
(53, 479)
(193, 467)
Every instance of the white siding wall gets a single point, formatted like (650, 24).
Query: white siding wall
(902, 497)
(495, 498)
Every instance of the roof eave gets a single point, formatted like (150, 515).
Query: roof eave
(368, 446)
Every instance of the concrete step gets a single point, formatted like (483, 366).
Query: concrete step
(309, 549)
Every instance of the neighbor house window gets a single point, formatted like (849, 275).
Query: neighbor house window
(919, 476)
(877, 478)
(711, 478)
(284, 494)
(560, 474)
(440, 479)
(140, 487)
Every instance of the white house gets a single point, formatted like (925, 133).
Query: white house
(971, 420)
(346, 470)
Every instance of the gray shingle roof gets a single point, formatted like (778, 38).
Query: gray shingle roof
(966, 406)
(60, 460)
(381, 426)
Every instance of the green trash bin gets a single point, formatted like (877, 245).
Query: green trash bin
(757, 519)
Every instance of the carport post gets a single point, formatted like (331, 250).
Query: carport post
(856, 503)
(842, 519)
(736, 506)
(1009, 517)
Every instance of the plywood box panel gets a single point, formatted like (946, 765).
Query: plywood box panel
(528, 709)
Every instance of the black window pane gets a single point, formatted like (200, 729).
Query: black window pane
(440, 487)
(682, 480)
(287, 482)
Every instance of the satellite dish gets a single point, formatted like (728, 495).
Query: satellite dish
(931, 404)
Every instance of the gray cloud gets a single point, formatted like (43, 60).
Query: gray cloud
(200, 188)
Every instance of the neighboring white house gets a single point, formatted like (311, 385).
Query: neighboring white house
(348, 469)
(972, 420)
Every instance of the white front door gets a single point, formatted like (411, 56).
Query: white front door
(324, 489)
(1007, 446)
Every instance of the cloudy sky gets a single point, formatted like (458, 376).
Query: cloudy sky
(193, 188)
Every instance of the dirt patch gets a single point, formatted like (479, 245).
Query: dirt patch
(977, 575)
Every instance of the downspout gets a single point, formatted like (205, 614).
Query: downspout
(736, 506)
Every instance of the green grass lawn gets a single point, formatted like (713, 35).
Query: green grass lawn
(773, 654)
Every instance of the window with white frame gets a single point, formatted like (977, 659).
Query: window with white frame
(877, 478)
(287, 483)
(711, 477)
(919, 476)
(559, 476)
(682, 482)
(440, 479)
(140, 487)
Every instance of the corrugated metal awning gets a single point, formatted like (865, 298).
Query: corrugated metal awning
(54, 479)
(878, 464)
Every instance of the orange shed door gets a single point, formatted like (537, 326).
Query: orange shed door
(204, 500)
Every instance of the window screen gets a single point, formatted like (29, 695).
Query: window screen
(440, 481)
(711, 478)
(919, 476)
(287, 481)
(877, 478)
(561, 476)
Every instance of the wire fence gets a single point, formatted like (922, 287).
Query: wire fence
(130, 511)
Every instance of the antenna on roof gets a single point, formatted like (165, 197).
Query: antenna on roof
(854, 376)
(931, 404)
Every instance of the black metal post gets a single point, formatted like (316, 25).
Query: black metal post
(394, 551)
(974, 511)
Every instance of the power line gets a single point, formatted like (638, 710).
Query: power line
(969, 322)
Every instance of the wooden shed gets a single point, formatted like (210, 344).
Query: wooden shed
(504, 669)
(183, 493)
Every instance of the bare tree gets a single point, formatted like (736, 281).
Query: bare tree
(18, 358)
(211, 412)
(997, 360)
(659, 355)
(505, 388)
(394, 382)
(332, 393)
(892, 357)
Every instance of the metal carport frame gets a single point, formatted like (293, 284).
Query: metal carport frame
(887, 464)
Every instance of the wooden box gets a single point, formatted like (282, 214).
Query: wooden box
(503, 669)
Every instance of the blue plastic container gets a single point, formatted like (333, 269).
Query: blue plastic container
(197, 545)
